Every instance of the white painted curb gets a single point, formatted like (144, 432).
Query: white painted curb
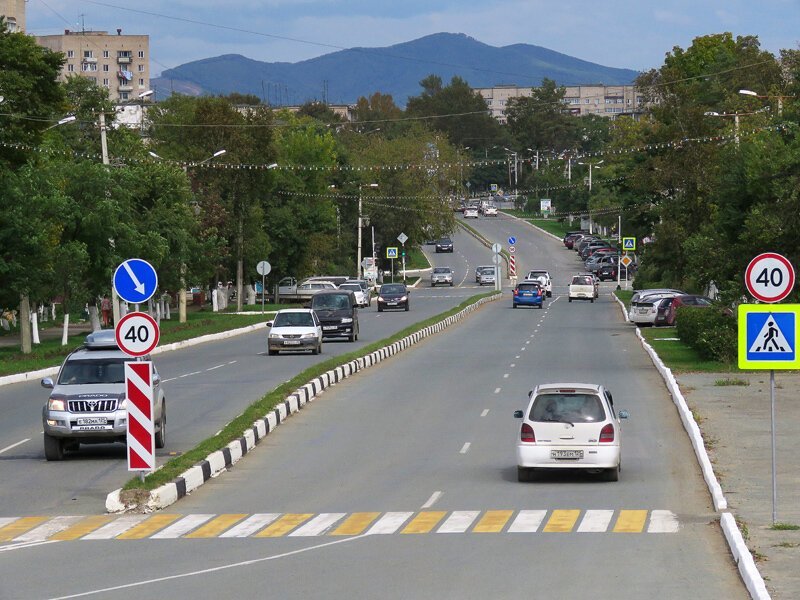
(221, 460)
(744, 559)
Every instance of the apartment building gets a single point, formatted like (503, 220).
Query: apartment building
(593, 99)
(118, 62)
(14, 13)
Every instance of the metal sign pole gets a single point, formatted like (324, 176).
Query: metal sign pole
(774, 466)
(263, 292)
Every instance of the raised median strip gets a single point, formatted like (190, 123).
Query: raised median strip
(173, 480)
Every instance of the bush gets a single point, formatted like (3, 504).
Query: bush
(711, 332)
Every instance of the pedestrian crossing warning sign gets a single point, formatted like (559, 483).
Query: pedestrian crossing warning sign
(768, 336)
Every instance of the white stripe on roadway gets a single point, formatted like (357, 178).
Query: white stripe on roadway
(250, 525)
(15, 445)
(595, 521)
(6, 520)
(47, 529)
(465, 448)
(663, 521)
(217, 367)
(497, 390)
(182, 527)
(527, 521)
(485, 412)
(434, 497)
(389, 523)
(459, 521)
(115, 528)
(318, 525)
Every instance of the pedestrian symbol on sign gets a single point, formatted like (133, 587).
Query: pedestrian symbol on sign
(770, 338)
(391, 252)
(629, 243)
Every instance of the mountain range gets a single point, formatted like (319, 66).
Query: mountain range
(343, 76)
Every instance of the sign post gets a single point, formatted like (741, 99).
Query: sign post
(402, 238)
(263, 269)
(141, 431)
(391, 254)
(497, 248)
(768, 334)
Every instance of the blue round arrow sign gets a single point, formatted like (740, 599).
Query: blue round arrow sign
(512, 240)
(135, 280)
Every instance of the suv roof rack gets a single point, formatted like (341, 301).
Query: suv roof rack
(103, 339)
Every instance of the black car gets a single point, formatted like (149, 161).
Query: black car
(444, 245)
(393, 295)
(607, 271)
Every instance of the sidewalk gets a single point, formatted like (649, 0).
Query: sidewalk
(735, 421)
(51, 332)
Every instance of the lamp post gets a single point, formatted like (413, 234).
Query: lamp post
(359, 272)
(735, 116)
(756, 95)
(64, 121)
(591, 167)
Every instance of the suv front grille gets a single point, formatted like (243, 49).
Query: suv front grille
(84, 406)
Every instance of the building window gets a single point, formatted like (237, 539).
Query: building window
(88, 67)
(105, 53)
(105, 82)
(105, 68)
(587, 101)
(141, 68)
(70, 54)
(71, 68)
(123, 53)
(88, 54)
(12, 24)
(141, 83)
(141, 53)
(92, 79)
(123, 95)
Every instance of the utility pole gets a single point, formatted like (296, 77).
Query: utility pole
(359, 271)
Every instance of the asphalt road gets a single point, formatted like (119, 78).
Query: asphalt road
(206, 386)
(401, 483)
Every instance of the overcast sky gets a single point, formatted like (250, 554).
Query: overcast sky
(633, 34)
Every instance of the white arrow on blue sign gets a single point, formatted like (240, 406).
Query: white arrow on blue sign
(512, 240)
(135, 280)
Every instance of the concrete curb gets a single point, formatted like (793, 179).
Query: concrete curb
(221, 460)
(744, 559)
(33, 375)
(741, 555)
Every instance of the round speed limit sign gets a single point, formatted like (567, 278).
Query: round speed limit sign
(769, 277)
(137, 334)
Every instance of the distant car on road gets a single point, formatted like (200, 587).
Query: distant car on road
(582, 288)
(393, 295)
(444, 245)
(490, 211)
(569, 426)
(361, 294)
(528, 293)
(485, 275)
(543, 277)
(470, 212)
(442, 275)
(294, 329)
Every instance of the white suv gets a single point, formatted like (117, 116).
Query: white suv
(87, 404)
(542, 277)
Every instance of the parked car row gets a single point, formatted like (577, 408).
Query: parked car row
(660, 306)
(601, 258)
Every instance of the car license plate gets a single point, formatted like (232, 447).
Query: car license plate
(644, 311)
(328, 327)
(566, 454)
(93, 421)
(291, 342)
(392, 303)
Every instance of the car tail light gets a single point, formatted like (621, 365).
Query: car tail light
(607, 434)
(526, 434)
(516, 292)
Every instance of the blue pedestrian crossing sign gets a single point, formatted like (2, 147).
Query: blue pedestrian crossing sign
(391, 252)
(768, 336)
(135, 280)
(629, 244)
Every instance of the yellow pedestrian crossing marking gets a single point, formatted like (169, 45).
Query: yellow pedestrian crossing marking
(272, 525)
(424, 522)
(20, 526)
(215, 526)
(562, 521)
(284, 525)
(356, 523)
(630, 521)
(493, 521)
(148, 527)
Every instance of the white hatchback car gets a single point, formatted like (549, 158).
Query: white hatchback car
(294, 329)
(542, 277)
(569, 426)
(470, 213)
(582, 287)
(644, 307)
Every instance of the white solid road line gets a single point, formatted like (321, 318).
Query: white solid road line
(24, 545)
(465, 448)
(432, 500)
(15, 445)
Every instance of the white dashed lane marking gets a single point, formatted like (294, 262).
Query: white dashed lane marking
(485, 412)
(15, 445)
(434, 497)
(465, 448)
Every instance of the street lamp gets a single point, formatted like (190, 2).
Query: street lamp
(514, 154)
(359, 272)
(64, 121)
(756, 95)
(591, 167)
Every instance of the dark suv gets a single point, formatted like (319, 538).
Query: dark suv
(87, 403)
(337, 311)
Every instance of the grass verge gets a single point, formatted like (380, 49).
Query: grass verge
(680, 357)
(50, 353)
(731, 381)
(784, 527)
(236, 428)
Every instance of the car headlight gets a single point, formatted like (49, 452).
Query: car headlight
(347, 320)
(56, 403)
(123, 405)
(274, 336)
(404, 298)
(380, 299)
(308, 335)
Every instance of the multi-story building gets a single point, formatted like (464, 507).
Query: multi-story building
(14, 13)
(119, 62)
(594, 99)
